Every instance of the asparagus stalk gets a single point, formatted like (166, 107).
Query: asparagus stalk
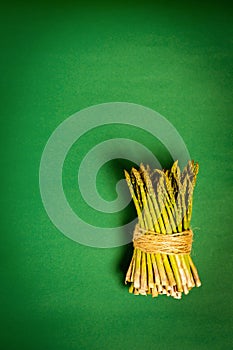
(163, 201)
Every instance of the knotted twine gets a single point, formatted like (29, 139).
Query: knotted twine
(152, 242)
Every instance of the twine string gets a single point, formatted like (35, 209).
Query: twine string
(152, 242)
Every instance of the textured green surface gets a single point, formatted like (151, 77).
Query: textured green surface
(57, 59)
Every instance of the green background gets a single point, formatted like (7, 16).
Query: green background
(56, 59)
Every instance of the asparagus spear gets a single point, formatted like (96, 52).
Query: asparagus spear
(163, 201)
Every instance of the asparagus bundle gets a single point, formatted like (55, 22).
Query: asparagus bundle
(161, 262)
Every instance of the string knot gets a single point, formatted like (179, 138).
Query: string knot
(152, 242)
